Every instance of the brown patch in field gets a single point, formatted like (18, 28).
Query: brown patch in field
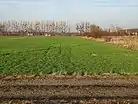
(92, 101)
(130, 42)
(79, 77)
(98, 89)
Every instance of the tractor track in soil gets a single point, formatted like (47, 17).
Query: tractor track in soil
(80, 89)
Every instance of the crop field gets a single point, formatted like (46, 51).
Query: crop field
(63, 55)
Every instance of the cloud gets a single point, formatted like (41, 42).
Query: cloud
(116, 3)
(25, 0)
(9, 4)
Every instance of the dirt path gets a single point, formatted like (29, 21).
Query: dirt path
(70, 89)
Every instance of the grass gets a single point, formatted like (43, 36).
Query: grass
(130, 42)
(63, 55)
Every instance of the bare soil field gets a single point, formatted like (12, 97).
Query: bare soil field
(106, 89)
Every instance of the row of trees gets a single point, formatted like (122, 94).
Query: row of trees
(93, 30)
(56, 28)
(35, 27)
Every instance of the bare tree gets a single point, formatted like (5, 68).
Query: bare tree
(81, 28)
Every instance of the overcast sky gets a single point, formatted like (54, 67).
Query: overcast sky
(123, 13)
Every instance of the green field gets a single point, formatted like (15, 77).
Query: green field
(63, 55)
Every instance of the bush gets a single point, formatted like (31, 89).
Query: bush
(107, 39)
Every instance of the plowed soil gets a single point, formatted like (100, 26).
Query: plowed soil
(69, 89)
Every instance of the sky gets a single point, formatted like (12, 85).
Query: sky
(123, 13)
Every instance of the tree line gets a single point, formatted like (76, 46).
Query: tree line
(50, 27)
